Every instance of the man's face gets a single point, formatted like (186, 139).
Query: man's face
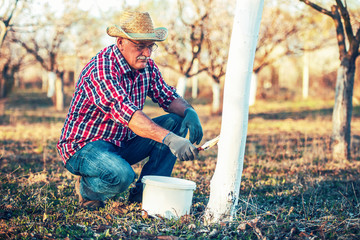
(136, 53)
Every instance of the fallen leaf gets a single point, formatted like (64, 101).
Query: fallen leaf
(144, 214)
(167, 237)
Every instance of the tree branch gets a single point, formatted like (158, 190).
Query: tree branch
(7, 21)
(317, 7)
(33, 52)
(339, 31)
(346, 17)
(354, 50)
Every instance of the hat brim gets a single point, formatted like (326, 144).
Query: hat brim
(159, 34)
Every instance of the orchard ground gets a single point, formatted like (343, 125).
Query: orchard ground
(291, 188)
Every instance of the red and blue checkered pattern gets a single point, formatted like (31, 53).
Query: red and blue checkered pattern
(106, 96)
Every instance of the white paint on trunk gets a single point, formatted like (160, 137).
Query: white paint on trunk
(181, 86)
(341, 118)
(225, 184)
(195, 81)
(44, 78)
(216, 97)
(51, 77)
(59, 96)
(305, 76)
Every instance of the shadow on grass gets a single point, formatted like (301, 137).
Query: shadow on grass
(305, 208)
(306, 114)
(7, 119)
(27, 100)
(28, 156)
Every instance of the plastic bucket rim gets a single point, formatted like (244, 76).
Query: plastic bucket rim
(186, 184)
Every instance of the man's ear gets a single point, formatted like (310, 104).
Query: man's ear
(119, 43)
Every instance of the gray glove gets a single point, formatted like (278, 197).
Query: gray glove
(191, 121)
(181, 147)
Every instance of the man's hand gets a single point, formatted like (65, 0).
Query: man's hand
(180, 147)
(192, 122)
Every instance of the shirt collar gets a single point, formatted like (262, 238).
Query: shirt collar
(124, 66)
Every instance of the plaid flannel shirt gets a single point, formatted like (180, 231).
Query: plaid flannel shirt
(106, 96)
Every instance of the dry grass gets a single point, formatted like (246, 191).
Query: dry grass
(291, 188)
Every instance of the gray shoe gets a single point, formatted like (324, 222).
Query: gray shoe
(135, 195)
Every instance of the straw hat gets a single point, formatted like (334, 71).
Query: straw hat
(137, 26)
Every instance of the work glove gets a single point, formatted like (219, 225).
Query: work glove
(180, 147)
(191, 121)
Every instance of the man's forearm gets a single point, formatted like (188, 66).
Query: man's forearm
(144, 127)
(178, 106)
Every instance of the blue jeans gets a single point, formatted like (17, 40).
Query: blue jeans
(106, 168)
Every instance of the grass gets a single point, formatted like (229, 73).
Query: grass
(291, 188)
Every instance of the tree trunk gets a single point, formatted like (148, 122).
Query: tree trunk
(341, 119)
(195, 87)
(181, 86)
(305, 75)
(275, 80)
(44, 81)
(216, 97)
(195, 80)
(51, 80)
(2, 87)
(59, 94)
(225, 184)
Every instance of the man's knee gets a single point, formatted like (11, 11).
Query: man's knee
(118, 179)
(170, 121)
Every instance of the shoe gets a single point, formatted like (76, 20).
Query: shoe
(92, 205)
(88, 204)
(135, 195)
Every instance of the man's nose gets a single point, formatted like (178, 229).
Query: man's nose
(147, 52)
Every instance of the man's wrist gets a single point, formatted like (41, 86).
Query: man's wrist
(187, 110)
(163, 141)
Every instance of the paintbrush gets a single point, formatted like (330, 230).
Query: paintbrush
(209, 144)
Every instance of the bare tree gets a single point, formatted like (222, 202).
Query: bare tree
(274, 43)
(341, 135)
(215, 52)
(8, 11)
(8, 64)
(182, 49)
(55, 36)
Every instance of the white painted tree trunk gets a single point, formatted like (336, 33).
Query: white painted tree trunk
(341, 119)
(225, 184)
(195, 81)
(44, 78)
(51, 77)
(216, 97)
(181, 86)
(253, 88)
(305, 76)
(59, 95)
(195, 87)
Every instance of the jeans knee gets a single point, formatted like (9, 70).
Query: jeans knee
(119, 180)
(172, 122)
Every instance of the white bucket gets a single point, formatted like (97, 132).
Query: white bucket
(167, 196)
